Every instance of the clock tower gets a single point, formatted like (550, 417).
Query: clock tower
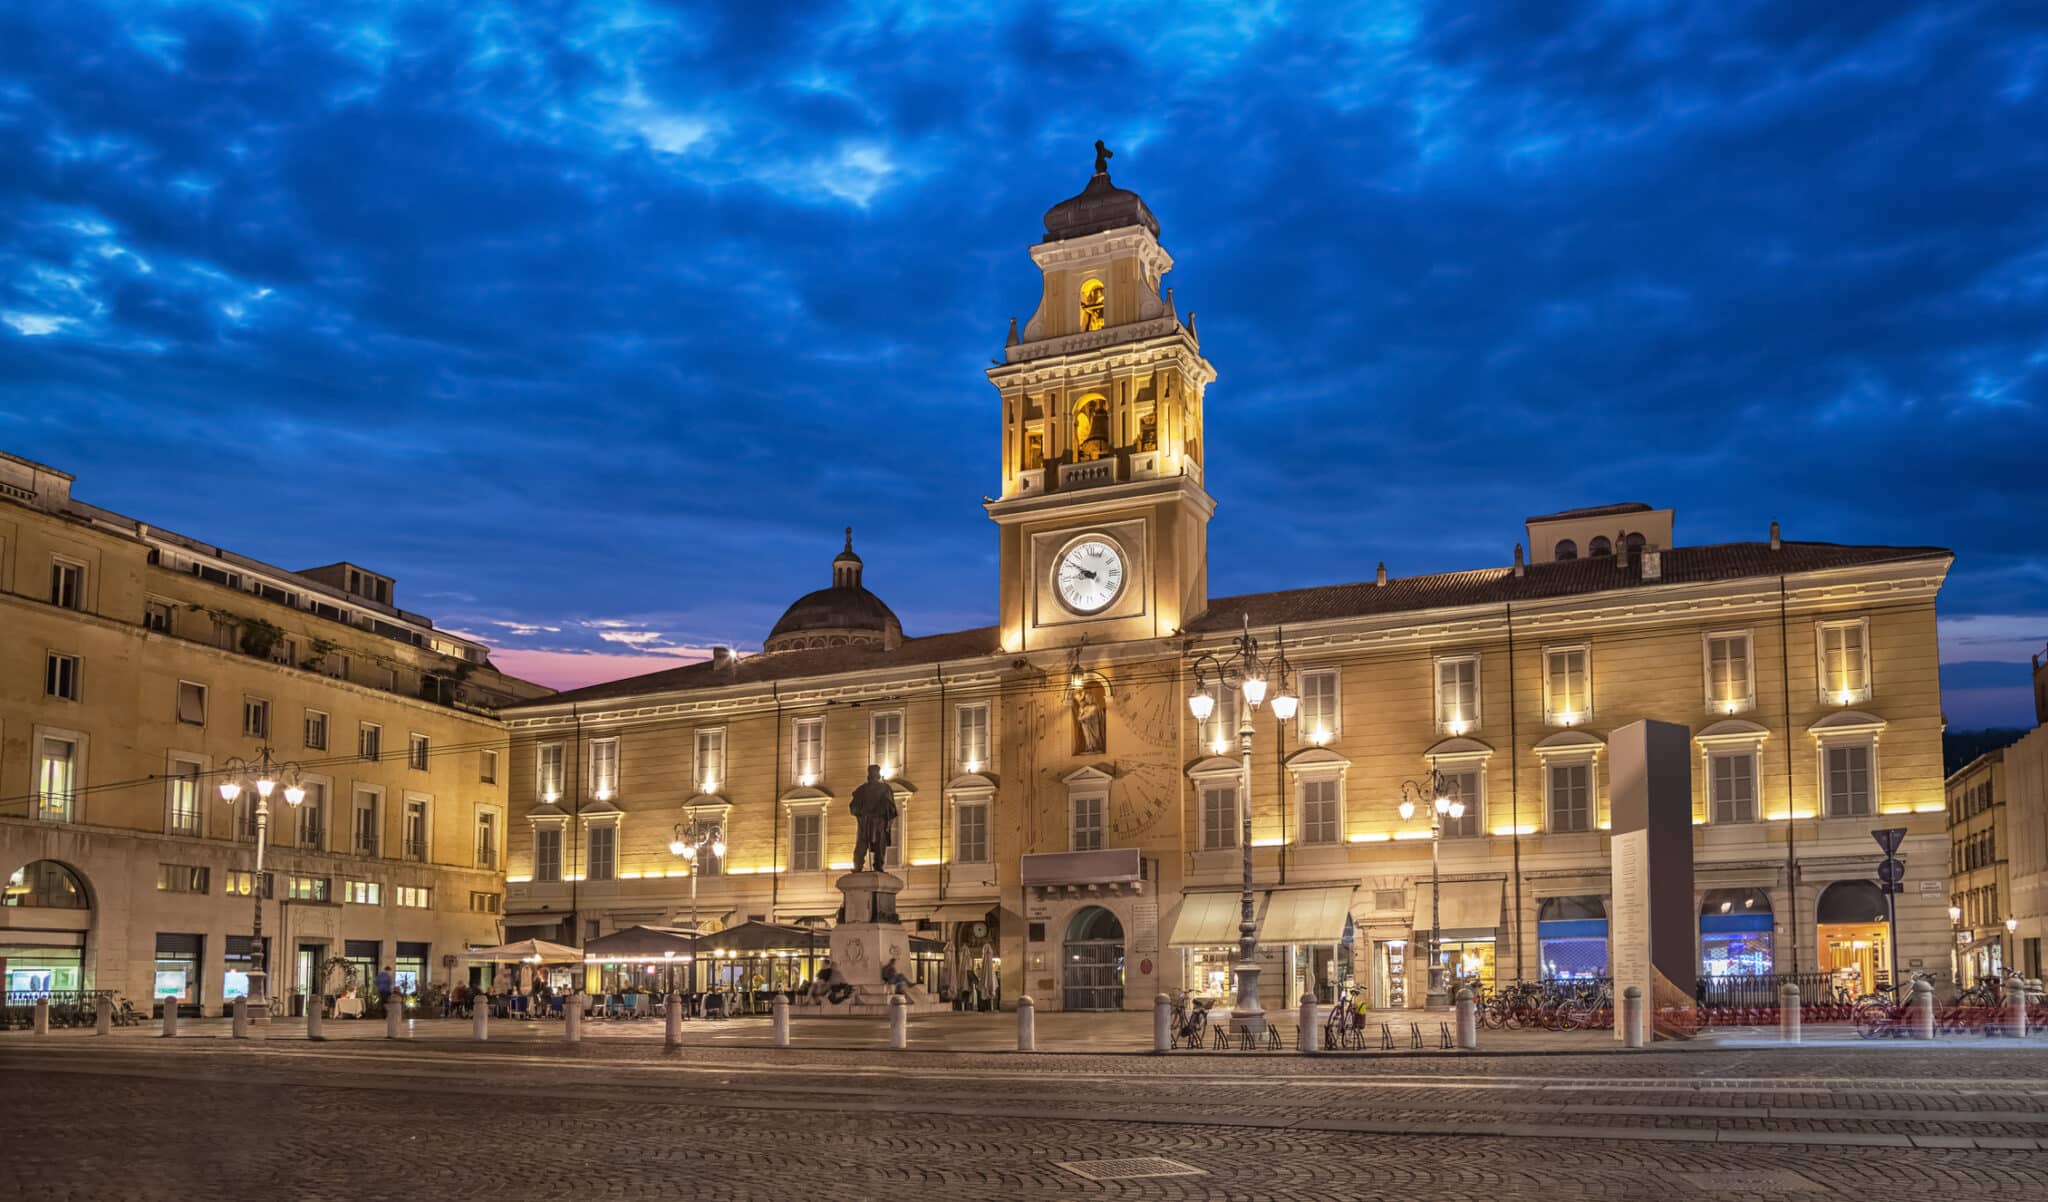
(1103, 517)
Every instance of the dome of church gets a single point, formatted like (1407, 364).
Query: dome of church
(844, 615)
(1100, 206)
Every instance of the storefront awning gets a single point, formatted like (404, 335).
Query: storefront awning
(1471, 908)
(1206, 920)
(1314, 916)
(960, 912)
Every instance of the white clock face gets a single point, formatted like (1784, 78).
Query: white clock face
(1090, 575)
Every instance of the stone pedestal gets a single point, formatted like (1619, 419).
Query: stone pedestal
(867, 936)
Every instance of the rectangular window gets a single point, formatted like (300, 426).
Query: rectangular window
(60, 676)
(56, 779)
(311, 888)
(1087, 824)
(808, 751)
(1844, 662)
(486, 839)
(806, 842)
(67, 584)
(970, 731)
(416, 897)
(241, 883)
(1731, 779)
(1567, 684)
(1322, 816)
(1213, 734)
(226, 634)
(1848, 781)
(364, 824)
(156, 616)
(885, 741)
(182, 815)
(1729, 683)
(284, 651)
(313, 817)
(363, 893)
(1219, 817)
(604, 768)
(417, 750)
(1571, 797)
(316, 730)
(255, 717)
(971, 836)
(1457, 694)
(415, 848)
(710, 761)
(191, 703)
(487, 767)
(1319, 706)
(548, 771)
(547, 853)
(1463, 785)
(485, 903)
(370, 741)
(181, 878)
(601, 859)
(335, 664)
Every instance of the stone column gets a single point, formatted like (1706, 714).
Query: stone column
(1632, 1016)
(1921, 1010)
(170, 1017)
(899, 1022)
(1162, 1023)
(572, 1018)
(103, 1016)
(672, 1034)
(394, 1016)
(1468, 1019)
(1305, 1026)
(1027, 1024)
(240, 1026)
(40, 1023)
(315, 1020)
(1788, 1013)
(778, 1020)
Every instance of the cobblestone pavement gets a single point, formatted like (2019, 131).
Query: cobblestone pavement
(620, 1116)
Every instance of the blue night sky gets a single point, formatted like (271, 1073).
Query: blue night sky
(594, 323)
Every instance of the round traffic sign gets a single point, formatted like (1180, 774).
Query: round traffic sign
(1891, 872)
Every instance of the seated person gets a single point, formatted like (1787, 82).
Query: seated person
(893, 978)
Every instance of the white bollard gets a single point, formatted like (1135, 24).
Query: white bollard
(1162, 1023)
(170, 1017)
(316, 1021)
(240, 1026)
(42, 1016)
(572, 1018)
(899, 1022)
(1468, 1019)
(103, 1016)
(672, 1036)
(479, 1017)
(2016, 1007)
(1305, 1026)
(778, 1020)
(1788, 1013)
(1921, 1010)
(394, 1016)
(1632, 1016)
(1027, 1024)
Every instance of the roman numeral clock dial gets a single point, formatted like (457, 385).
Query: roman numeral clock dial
(1090, 576)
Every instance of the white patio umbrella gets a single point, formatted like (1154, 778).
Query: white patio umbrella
(535, 951)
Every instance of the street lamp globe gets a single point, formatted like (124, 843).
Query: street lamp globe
(1955, 915)
(1443, 805)
(230, 790)
(1407, 810)
(677, 847)
(294, 794)
(1456, 809)
(1254, 690)
(2012, 925)
(718, 850)
(265, 787)
(1201, 704)
(1285, 703)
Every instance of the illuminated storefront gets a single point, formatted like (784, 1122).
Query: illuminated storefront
(177, 971)
(1853, 936)
(43, 928)
(1735, 933)
(1571, 938)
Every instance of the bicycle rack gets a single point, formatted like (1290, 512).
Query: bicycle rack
(1386, 1038)
(1443, 1034)
(1414, 1036)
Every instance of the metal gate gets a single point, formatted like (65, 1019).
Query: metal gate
(1092, 962)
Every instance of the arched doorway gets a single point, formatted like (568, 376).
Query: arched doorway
(1853, 936)
(1092, 962)
(45, 915)
(1735, 933)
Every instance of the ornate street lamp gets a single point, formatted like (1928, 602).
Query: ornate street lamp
(1241, 667)
(262, 777)
(689, 841)
(1437, 802)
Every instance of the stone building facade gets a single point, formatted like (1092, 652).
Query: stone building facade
(137, 664)
(1074, 832)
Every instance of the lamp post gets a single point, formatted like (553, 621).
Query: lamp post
(2012, 944)
(262, 777)
(1243, 668)
(688, 842)
(1440, 805)
(1955, 944)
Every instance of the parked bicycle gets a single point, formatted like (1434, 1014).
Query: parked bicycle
(1189, 1023)
(1345, 1026)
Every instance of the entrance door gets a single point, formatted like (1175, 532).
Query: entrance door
(1092, 962)
(306, 974)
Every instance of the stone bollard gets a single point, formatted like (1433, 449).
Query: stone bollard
(394, 1016)
(170, 1017)
(1305, 1027)
(41, 1022)
(239, 1028)
(103, 1016)
(572, 1018)
(316, 1020)
(778, 1020)
(479, 1018)
(1468, 1019)
(1788, 1013)
(1632, 1016)
(1162, 1023)
(1027, 1024)
(2016, 1008)
(672, 1035)
(1920, 1011)
(899, 1022)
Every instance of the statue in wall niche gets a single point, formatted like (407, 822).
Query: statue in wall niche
(1091, 706)
(874, 814)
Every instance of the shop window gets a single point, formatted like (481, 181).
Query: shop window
(1571, 936)
(1735, 933)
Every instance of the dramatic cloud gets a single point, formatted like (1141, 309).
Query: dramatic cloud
(591, 310)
